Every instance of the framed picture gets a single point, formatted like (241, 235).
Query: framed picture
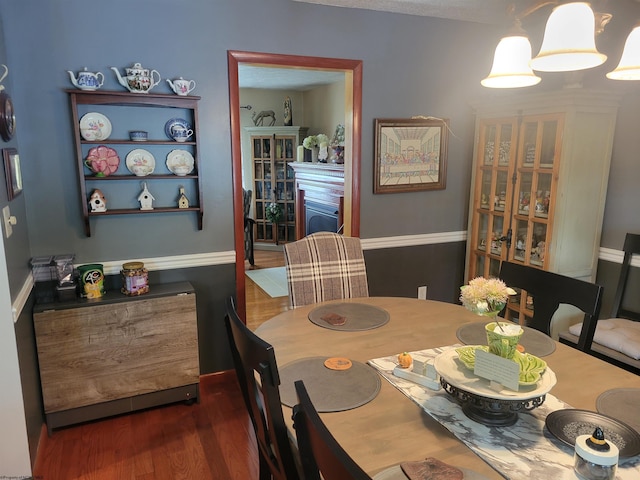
(410, 154)
(12, 172)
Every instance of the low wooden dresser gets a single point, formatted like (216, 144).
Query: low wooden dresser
(107, 356)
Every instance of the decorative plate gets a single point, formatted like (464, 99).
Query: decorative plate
(102, 161)
(95, 127)
(566, 425)
(531, 367)
(140, 162)
(7, 117)
(175, 122)
(180, 162)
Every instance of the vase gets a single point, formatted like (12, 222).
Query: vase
(314, 154)
(503, 344)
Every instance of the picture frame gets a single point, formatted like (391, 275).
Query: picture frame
(410, 154)
(12, 172)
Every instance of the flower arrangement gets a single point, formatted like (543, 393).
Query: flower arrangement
(315, 141)
(485, 296)
(274, 212)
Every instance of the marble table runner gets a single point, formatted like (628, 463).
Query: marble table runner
(524, 450)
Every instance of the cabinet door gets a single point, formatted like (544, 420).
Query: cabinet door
(535, 192)
(262, 184)
(493, 193)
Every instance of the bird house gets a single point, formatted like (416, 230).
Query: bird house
(145, 198)
(97, 201)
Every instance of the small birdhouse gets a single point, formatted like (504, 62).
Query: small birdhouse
(183, 201)
(97, 202)
(146, 199)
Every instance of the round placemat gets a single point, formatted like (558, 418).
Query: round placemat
(329, 390)
(349, 317)
(622, 404)
(534, 342)
(396, 473)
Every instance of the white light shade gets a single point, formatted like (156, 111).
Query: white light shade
(511, 65)
(569, 40)
(629, 66)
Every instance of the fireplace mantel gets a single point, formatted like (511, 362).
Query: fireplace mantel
(321, 183)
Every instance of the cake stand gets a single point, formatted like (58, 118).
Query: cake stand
(483, 404)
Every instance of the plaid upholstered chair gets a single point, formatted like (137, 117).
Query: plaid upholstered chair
(325, 266)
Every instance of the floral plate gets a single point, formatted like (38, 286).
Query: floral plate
(531, 367)
(95, 127)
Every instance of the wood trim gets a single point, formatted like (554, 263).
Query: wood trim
(353, 70)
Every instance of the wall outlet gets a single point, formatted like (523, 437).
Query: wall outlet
(422, 292)
(9, 221)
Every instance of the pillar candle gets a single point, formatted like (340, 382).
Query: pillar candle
(300, 157)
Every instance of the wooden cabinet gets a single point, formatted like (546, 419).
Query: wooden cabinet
(136, 111)
(116, 354)
(539, 184)
(271, 149)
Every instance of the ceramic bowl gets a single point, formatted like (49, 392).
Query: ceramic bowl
(181, 170)
(141, 170)
(138, 135)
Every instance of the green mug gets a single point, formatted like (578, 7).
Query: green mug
(500, 343)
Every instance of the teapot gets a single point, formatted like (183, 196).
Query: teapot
(86, 80)
(180, 86)
(180, 133)
(138, 79)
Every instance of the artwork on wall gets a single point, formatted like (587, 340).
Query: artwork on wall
(410, 154)
(12, 172)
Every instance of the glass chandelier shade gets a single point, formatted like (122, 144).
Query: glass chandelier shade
(511, 64)
(569, 40)
(629, 66)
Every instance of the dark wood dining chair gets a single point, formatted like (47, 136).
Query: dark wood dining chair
(549, 290)
(257, 372)
(320, 453)
(248, 226)
(325, 266)
(624, 322)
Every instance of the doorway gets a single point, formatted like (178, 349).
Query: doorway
(353, 115)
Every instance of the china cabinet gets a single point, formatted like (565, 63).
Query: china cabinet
(271, 149)
(127, 112)
(539, 183)
(116, 354)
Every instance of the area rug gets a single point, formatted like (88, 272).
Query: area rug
(272, 280)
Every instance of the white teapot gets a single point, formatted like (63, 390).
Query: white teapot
(138, 79)
(180, 86)
(86, 80)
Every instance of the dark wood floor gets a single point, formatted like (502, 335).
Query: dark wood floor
(210, 440)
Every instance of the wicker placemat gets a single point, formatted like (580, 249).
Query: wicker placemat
(623, 404)
(329, 390)
(349, 317)
(534, 342)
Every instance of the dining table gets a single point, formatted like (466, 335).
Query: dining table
(390, 428)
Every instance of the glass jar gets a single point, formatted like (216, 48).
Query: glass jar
(135, 278)
(595, 458)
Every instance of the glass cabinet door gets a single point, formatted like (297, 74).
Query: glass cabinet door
(492, 195)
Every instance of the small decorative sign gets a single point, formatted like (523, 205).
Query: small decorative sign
(497, 369)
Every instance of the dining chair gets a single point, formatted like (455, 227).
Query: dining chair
(257, 372)
(325, 266)
(248, 226)
(549, 290)
(320, 453)
(617, 338)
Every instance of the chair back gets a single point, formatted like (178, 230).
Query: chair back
(549, 290)
(248, 226)
(320, 453)
(257, 372)
(325, 266)
(631, 247)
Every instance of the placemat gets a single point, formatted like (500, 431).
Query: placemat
(396, 473)
(524, 450)
(622, 404)
(356, 316)
(533, 341)
(329, 390)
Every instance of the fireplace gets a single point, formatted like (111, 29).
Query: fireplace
(320, 217)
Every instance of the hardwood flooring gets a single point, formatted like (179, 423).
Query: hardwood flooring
(209, 440)
(260, 306)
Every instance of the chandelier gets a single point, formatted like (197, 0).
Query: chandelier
(568, 45)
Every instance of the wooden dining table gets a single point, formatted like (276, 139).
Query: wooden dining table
(391, 428)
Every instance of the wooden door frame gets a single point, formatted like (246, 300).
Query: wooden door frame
(353, 129)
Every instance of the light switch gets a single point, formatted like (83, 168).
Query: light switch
(9, 221)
